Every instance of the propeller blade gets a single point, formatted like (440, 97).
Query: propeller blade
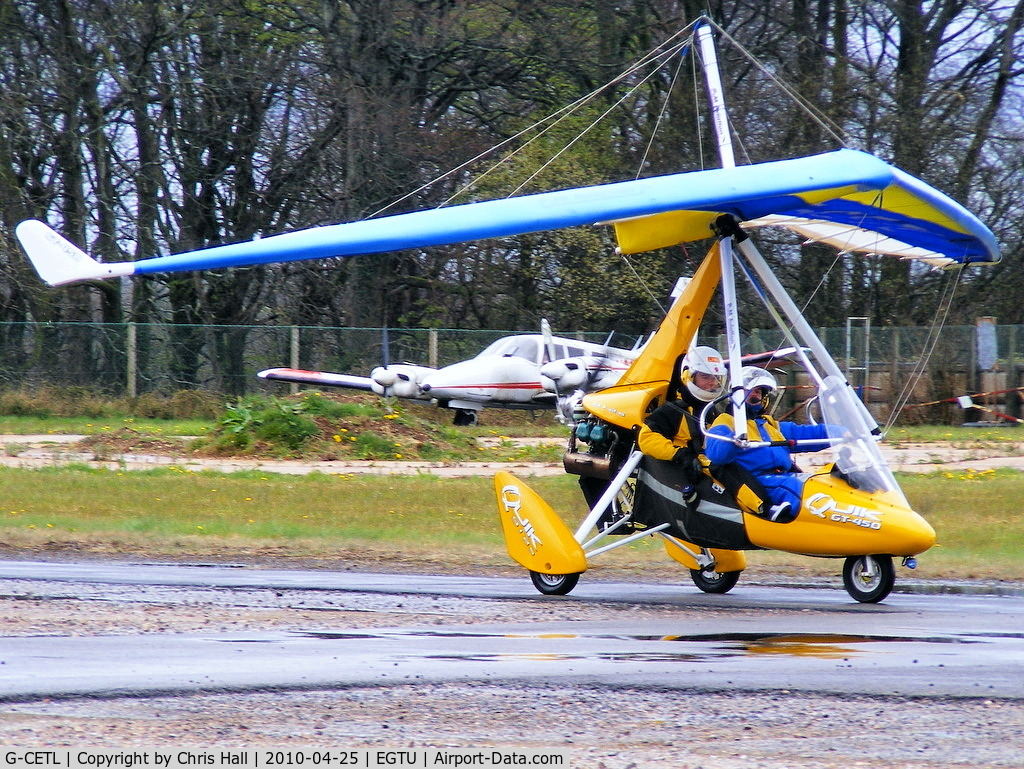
(549, 339)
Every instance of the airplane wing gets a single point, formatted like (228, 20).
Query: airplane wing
(845, 189)
(324, 378)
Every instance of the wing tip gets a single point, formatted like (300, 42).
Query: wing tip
(58, 261)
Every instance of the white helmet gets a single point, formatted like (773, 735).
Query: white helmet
(758, 377)
(754, 377)
(703, 360)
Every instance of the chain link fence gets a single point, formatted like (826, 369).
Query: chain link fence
(905, 366)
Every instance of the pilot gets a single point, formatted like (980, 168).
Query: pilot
(771, 466)
(671, 432)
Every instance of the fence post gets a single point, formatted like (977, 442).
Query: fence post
(293, 388)
(896, 382)
(132, 361)
(432, 348)
(1012, 379)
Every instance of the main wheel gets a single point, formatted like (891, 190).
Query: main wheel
(714, 581)
(464, 418)
(554, 584)
(869, 578)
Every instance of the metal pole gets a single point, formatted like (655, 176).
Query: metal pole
(732, 338)
(719, 116)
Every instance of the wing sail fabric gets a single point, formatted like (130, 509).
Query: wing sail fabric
(906, 218)
(846, 187)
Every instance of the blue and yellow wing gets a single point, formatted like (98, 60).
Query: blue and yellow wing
(847, 198)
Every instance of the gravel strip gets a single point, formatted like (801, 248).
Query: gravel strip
(602, 727)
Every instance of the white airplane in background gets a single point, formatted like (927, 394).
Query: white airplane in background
(523, 371)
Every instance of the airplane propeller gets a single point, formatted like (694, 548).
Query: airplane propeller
(570, 378)
(400, 380)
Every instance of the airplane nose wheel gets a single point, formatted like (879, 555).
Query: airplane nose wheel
(554, 584)
(869, 578)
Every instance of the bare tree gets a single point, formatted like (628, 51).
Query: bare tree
(144, 128)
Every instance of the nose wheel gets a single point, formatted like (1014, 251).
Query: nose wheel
(869, 578)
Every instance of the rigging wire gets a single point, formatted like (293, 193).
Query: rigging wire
(593, 123)
(943, 309)
(683, 51)
(824, 122)
(657, 56)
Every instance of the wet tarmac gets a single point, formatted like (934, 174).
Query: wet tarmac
(758, 638)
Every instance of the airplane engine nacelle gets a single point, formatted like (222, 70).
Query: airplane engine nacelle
(383, 377)
(399, 380)
(605, 377)
(568, 374)
(405, 388)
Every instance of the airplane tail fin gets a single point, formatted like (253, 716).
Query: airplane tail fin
(58, 261)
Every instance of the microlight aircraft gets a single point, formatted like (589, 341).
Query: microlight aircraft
(522, 371)
(852, 508)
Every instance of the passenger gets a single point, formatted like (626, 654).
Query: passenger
(772, 466)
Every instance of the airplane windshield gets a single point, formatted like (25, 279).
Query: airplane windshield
(854, 445)
(520, 346)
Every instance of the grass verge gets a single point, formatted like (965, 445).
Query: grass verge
(423, 523)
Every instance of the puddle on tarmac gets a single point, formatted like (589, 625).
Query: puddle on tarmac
(705, 646)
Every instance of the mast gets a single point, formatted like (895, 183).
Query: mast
(723, 137)
(719, 116)
(735, 244)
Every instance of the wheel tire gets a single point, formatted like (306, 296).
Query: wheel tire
(866, 587)
(715, 581)
(554, 584)
(465, 418)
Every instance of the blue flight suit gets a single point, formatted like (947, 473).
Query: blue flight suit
(771, 465)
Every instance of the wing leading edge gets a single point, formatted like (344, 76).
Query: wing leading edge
(844, 188)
